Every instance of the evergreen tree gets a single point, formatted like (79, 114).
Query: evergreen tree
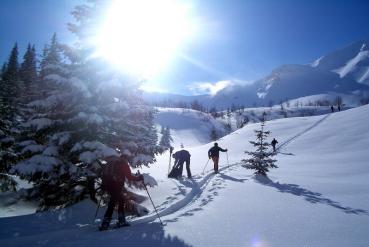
(10, 86)
(260, 160)
(28, 70)
(3, 69)
(166, 139)
(43, 61)
(51, 64)
(7, 156)
(12, 67)
(9, 92)
(88, 112)
(213, 135)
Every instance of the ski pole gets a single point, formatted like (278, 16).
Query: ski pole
(205, 166)
(98, 207)
(170, 156)
(227, 159)
(153, 204)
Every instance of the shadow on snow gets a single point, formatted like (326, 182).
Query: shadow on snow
(310, 196)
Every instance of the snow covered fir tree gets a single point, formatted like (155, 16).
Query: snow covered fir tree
(261, 159)
(10, 95)
(86, 112)
(213, 134)
(166, 138)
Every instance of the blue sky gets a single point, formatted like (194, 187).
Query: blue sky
(243, 40)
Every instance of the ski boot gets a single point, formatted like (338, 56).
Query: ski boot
(105, 224)
(122, 222)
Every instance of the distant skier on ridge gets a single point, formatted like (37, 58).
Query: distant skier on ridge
(213, 154)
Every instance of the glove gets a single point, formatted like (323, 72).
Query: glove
(226, 150)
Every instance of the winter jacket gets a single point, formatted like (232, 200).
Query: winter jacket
(214, 151)
(118, 172)
(182, 155)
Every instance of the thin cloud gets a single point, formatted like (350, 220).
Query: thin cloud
(208, 87)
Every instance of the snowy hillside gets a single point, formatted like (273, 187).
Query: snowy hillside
(188, 127)
(351, 61)
(317, 197)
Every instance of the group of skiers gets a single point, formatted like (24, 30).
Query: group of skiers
(338, 107)
(183, 156)
(119, 171)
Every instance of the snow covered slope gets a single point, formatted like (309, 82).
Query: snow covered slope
(188, 127)
(317, 197)
(351, 61)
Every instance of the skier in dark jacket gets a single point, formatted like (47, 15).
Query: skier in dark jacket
(213, 154)
(332, 108)
(179, 158)
(117, 172)
(274, 142)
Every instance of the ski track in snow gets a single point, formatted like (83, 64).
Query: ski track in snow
(197, 188)
(284, 144)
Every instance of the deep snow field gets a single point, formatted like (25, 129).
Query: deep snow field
(319, 195)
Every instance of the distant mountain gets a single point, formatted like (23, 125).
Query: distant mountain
(345, 71)
(294, 81)
(351, 61)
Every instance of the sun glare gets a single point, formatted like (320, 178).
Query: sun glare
(141, 36)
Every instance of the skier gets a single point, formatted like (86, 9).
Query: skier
(117, 171)
(179, 158)
(274, 142)
(332, 108)
(339, 108)
(213, 154)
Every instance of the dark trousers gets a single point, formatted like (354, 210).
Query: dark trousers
(115, 198)
(181, 163)
(188, 169)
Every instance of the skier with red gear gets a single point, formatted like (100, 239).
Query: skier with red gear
(118, 171)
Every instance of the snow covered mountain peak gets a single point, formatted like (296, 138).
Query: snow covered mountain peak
(351, 61)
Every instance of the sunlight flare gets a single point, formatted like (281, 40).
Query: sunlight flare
(142, 36)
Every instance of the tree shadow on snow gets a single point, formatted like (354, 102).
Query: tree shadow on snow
(310, 196)
(286, 153)
(143, 235)
(226, 177)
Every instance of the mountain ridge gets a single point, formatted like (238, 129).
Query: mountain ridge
(344, 71)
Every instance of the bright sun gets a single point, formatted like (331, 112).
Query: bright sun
(141, 36)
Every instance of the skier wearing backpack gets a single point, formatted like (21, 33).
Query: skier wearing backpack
(116, 172)
(213, 154)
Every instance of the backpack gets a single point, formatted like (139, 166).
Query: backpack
(111, 176)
